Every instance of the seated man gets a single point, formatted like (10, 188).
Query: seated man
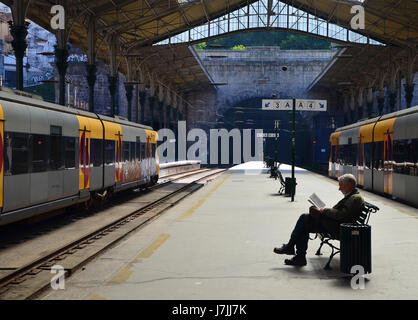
(324, 220)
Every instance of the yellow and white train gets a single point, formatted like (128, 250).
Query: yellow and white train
(54, 156)
(381, 152)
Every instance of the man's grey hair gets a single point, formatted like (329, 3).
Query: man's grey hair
(348, 178)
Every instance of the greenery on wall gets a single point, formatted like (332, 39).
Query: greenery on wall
(286, 41)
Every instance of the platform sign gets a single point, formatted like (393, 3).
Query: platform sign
(301, 104)
(267, 135)
(311, 105)
(277, 104)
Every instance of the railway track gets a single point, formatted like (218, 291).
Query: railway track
(29, 280)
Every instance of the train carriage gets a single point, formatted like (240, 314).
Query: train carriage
(54, 156)
(381, 152)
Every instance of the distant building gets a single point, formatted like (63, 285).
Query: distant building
(37, 67)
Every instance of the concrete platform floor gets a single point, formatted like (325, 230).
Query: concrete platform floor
(218, 244)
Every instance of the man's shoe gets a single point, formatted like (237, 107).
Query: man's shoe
(296, 261)
(285, 249)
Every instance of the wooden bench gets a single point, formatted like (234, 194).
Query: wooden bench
(326, 237)
(282, 183)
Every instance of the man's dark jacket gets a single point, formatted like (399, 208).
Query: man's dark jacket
(346, 211)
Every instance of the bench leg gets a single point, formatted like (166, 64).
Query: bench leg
(327, 266)
(318, 252)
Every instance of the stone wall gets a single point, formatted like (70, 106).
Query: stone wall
(77, 94)
(255, 72)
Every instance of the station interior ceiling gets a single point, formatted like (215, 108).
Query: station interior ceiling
(347, 67)
(141, 23)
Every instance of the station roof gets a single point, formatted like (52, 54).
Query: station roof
(348, 66)
(178, 65)
(389, 21)
(141, 23)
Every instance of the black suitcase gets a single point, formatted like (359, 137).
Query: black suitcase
(356, 247)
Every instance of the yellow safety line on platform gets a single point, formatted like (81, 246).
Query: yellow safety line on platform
(200, 202)
(126, 272)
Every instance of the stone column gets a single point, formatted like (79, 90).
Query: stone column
(91, 80)
(168, 117)
(360, 101)
(129, 94)
(151, 100)
(113, 83)
(369, 102)
(142, 95)
(91, 64)
(113, 76)
(61, 56)
(381, 89)
(409, 76)
(161, 114)
(393, 74)
(19, 44)
(352, 106)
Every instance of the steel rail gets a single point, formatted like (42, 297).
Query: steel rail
(75, 245)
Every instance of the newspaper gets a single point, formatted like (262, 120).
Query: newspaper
(316, 201)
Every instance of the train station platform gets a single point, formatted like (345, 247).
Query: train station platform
(218, 244)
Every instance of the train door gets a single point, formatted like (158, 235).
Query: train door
(138, 156)
(118, 158)
(388, 162)
(16, 177)
(84, 159)
(360, 160)
(56, 163)
(148, 157)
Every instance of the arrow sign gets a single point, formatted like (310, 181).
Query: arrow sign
(277, 104)
(311, 105)
(301, 105)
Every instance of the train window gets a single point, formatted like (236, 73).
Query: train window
(7, 153)
(378, 155)
(125, 151)
(367, 155)
(39, 153)
(399, 153)
(353, 154)
(56, 149)
(96, 152)
(143, 150)
(153, 150)
(333, 154)
(132, 154)
(110, 151)
(341, 154)
(70, 152)
(138, 149)
(16, 153)
(360, 160)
